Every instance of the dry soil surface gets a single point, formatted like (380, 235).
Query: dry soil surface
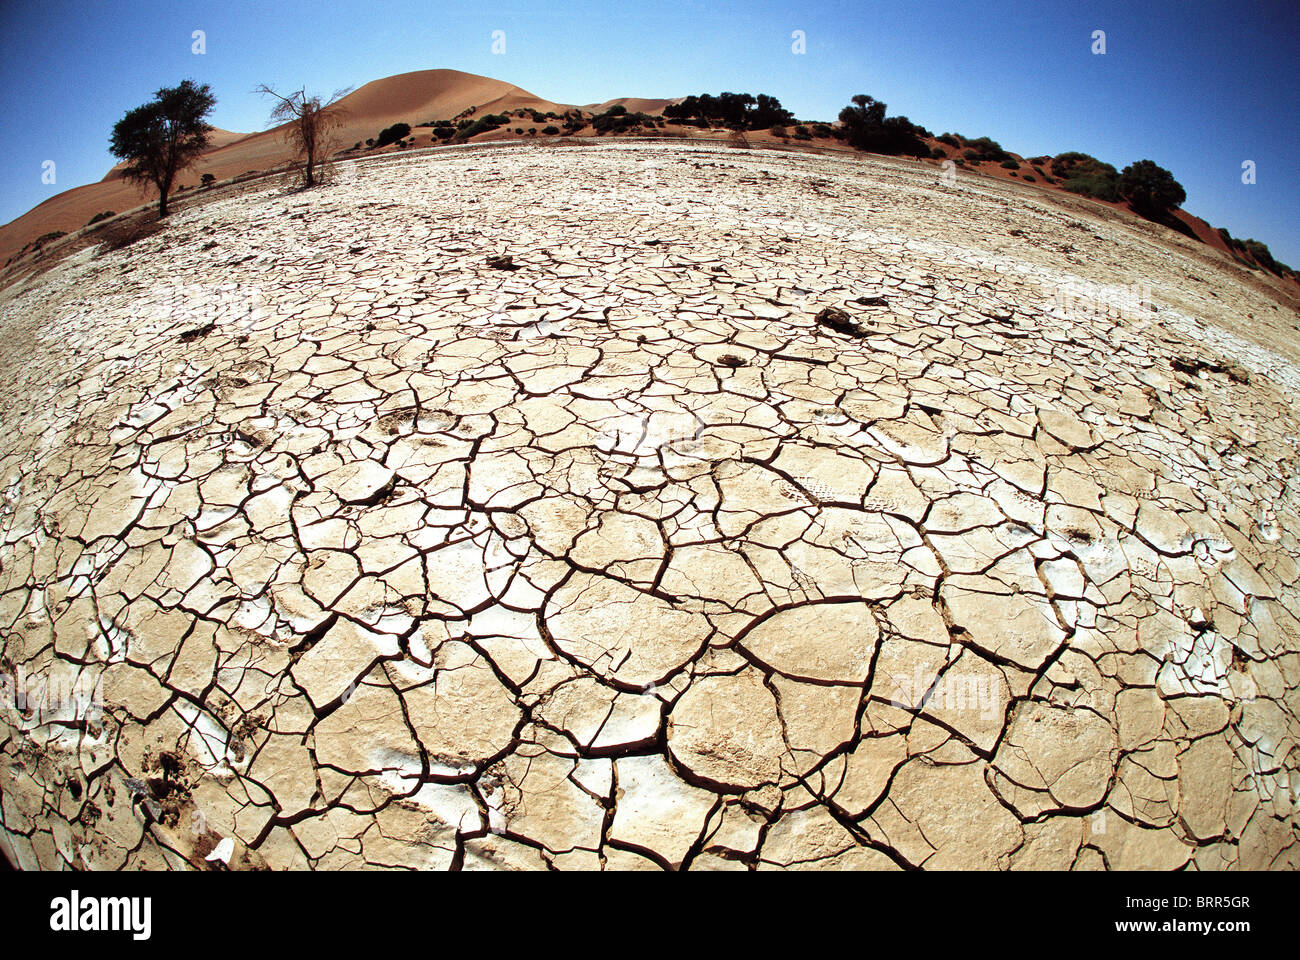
(330, 538)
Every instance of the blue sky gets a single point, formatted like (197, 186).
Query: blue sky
(1199, 86)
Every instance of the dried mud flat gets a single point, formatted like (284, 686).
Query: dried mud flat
(329, 543)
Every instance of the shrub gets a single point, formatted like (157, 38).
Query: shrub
(780, 132)
(1257, 250)
(867, 128)
(392, 134)
(1264, 257)
(617, 120)
(986, 149)
(802, 133)
(1150, 189)
(1097, 187)
(950, 139)
(1086, 176)
(444, 131)
(106, 214)
(822, 131)
(938, 153)
(489, 121)
(1010, 165)
(550, 131)
(740, 111)
(207, 180)
(1029, 179)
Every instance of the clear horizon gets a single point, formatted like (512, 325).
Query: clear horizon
(1199, 87)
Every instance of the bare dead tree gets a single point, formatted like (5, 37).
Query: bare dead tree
(310, 124)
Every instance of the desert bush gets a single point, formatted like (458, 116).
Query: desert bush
(550, 131)
(617, 120)
(1150, 189)
(780, 132)
(950, 139)
(1097, 187)
(740, 111)
(1264, 257)
(822, 131)
(1010, 165)
(1030, 179)
(100, 216)
(1086, 176)
(1257, 250)
(489, 121)
(985, 149)
(801, 132)
(207, 180)
(392, 134)
(867, 128)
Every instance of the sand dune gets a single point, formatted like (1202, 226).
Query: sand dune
(409, 97)
(633, 105)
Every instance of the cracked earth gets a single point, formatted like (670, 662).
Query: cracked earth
(641, 506)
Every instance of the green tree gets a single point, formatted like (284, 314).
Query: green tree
(864, 122)
(161, 138)
(1150, 189)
